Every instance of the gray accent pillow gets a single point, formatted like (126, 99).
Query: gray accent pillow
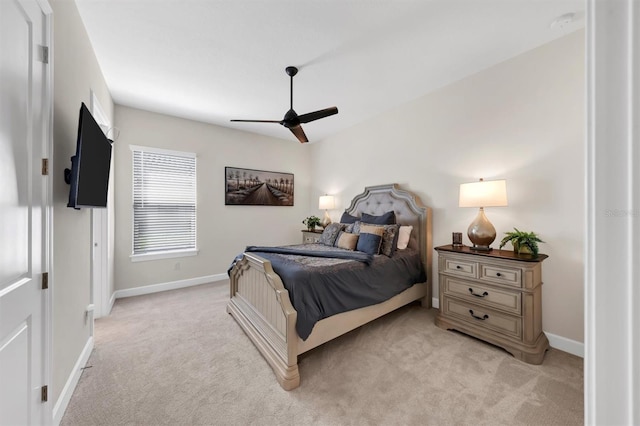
(330, 233)
(390, 239)
(354, 227)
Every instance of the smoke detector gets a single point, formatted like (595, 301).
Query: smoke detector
(563, 20)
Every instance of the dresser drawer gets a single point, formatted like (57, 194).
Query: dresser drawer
(461, 268)
(483, 317)
(310, 237)
(501, 275)
(485, 296)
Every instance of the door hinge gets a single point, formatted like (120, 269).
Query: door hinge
(45, 166)
(45, 280)
(44, 54)
(44, 393)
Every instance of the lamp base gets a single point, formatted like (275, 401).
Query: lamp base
(326, 220)
(480, 248)
(481, 232)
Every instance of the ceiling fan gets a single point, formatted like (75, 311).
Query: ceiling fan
(292, 120)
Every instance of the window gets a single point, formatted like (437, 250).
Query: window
(164, 203)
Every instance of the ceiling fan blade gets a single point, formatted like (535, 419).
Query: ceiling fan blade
(316, 115)
(299, 134)
(258, 121)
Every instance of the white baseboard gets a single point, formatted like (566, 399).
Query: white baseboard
(111, 302)
(558, 342)
(566, 345)
(173, 285)
(65, 396)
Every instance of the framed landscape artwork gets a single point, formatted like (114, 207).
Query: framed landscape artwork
(248, 187)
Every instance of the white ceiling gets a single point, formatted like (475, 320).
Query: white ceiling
(216, 60)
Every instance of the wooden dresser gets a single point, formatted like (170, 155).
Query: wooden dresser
(495, 296)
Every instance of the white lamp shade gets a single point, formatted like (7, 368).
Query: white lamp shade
(327, 202)
(485, 193)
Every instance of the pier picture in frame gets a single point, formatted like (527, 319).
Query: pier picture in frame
(248, 187)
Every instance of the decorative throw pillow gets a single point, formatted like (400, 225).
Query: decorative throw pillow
(346, 241)
(389, 234)
(347, 218)
(370, 238)
(403, 236)
(389, 218)
(371, 229)
(369, 243)
(390, 240)
(354, 227)
(330, 234)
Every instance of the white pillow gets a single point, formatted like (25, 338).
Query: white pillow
(403, 237)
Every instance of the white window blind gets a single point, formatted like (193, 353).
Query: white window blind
(164, 201)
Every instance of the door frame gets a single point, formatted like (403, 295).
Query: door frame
(47, 213)
(100, 271)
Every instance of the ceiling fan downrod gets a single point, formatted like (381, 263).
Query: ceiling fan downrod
(291, 72)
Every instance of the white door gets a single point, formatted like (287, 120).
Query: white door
(24, 139)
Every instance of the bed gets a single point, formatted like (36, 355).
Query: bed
(261, 305)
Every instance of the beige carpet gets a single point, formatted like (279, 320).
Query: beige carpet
(177, 358)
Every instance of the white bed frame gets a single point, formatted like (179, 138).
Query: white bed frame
(261, 305)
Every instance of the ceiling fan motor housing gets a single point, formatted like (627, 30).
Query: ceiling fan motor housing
(290, 119)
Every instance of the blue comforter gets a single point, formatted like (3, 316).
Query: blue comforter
(322, 281)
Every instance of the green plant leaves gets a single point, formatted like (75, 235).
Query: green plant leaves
(519, 238)
(311, 221)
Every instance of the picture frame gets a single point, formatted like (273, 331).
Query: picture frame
(251, 187)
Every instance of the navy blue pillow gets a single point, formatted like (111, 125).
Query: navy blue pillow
(347, 218)
(389, 218)
(369, 243)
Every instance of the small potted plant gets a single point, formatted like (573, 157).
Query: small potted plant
(311, 222)
(522, 242)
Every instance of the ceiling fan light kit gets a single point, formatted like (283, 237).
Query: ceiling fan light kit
(292, 120)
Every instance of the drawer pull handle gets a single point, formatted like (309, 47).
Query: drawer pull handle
(485, 294)
(458, 267)
(477, 317)
(498, 274)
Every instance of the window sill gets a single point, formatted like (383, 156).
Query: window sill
(163, 255)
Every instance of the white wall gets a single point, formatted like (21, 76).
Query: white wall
(76, 73)
(521, 120)
(222, 231)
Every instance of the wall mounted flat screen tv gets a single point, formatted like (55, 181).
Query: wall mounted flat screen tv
(89, 173)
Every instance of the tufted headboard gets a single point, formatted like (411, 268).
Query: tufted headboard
(379, 199)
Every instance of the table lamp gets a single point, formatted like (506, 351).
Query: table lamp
(327, 202)
(485, 193)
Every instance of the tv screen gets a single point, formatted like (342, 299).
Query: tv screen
(89, 174)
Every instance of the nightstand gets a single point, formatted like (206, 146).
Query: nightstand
(309, 237)
(495, 296)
